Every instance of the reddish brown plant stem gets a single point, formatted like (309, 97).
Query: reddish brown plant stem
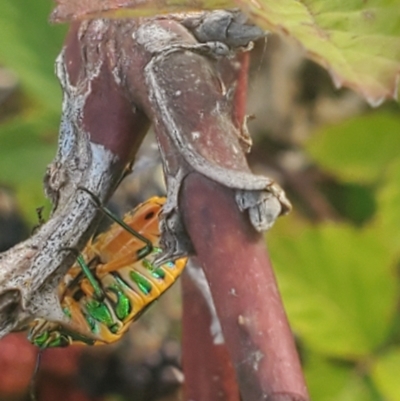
(240, 97)
(195, 130)
(108, 116)
(209, 374)
(245, 293)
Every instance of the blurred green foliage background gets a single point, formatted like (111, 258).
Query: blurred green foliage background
(340, 281)
(339, 276)
(28, 132)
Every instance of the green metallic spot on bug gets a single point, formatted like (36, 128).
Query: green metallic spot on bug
(123, 306)
(99, 311)
(147, 264)
(170, 265)
(60, 341)
(45, 340)
(156, 272)
(79, 337)
(157, 249)
(143, 284)
(67, 312)
(92, 324)
(67, 337)
(40, 340)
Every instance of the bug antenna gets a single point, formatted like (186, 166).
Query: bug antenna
(95, 199)
(32, 385)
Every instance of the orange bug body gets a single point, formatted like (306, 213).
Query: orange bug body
(125, 282)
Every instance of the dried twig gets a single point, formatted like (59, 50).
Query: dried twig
(99, 135)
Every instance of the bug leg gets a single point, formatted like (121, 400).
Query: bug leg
(99, 293)
(142, 253)
(32, 385)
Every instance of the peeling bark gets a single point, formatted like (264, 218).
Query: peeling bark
(100, 132)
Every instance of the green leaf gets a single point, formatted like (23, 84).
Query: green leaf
(29, 45)
(387, 221)
(358, 149)
(338, 287)
(28, 145)
(355, 203)
(357, 41)
(335, 381)
(385, 374)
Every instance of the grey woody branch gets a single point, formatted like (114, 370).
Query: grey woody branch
(100, 132)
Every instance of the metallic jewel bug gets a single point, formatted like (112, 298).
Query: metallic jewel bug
(112, 282)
